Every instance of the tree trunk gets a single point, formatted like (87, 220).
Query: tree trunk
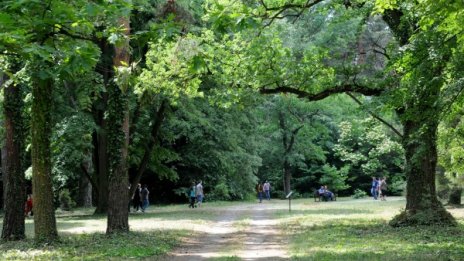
(85, 187)
(44, 212)
(100, 138)
(422, 204)
(101, 151)
(287, 177)
(118, 212)
(13, 175)
(118, 143)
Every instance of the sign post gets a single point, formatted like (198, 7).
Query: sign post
(289, 196)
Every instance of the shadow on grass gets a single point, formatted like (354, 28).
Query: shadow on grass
(367, 241)
(96, 246)
(323, 212)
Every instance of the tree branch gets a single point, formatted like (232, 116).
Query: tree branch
(397, 132)
(160, 114)
(325, 93)
(89, 177)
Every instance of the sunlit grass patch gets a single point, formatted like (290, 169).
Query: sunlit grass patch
(359, 230)
(94, 247)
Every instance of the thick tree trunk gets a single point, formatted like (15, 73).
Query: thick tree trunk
(85, 188)
(13, 175)
(102, 168)
(422, 204)
(44, 212)
(118, 139)
(118, 212)
(100, 138)
(1, 176)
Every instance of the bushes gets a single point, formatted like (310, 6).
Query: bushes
(358, 193)
(66, 203)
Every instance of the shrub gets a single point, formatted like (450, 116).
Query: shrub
(66, 203)
(358, 193)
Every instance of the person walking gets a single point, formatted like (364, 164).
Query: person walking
(259, 190)
(267, 190)
(137, 199)
(199, 193)
(191, 194)
(144, 196)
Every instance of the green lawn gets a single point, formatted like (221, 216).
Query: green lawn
(344, 230)
(357, 230)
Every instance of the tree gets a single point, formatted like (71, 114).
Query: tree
(413, 84)
(13, 164)
(41, 33)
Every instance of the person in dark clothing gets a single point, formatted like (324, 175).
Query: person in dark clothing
(192, 195)
(136, 199)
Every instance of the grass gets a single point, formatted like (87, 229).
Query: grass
(343, 230)
(358, 230)
(93, 247)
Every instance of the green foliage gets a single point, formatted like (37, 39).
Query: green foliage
(369, 151)
(335, 178)
(359, 193)
(220, 192)
(66, 203)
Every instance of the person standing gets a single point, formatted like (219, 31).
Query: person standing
(375, 187)
(28, 210)
(259, 190)
(144, 196)
(383, 188)
(137, 199)
(192, 195)
(267, 189)
(199, 193)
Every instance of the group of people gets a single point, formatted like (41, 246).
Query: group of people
(196, 194)
(325, 193)
(263, 188)
(140, 200)
(379, 188)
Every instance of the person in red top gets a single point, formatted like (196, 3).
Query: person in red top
(28, 209)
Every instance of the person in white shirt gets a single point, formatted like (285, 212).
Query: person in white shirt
(267, 189)
(199, 193)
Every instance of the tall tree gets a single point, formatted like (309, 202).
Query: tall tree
(118, 134)
(40, 33)
(12, 164)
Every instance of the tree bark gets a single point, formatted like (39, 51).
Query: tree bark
(100, 139)
(101, 152)
(118, 114)
(287, 177)
(85, 187)
(419, 143)
(13, 171)
(44, 213)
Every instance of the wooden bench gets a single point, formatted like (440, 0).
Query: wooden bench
(318, 197)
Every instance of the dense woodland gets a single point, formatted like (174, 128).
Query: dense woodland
(98, 96)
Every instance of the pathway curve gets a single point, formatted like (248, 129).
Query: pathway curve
(246, 231)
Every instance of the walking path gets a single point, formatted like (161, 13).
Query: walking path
(247, 232)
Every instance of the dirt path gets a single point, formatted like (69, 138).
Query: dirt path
(246, 231)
